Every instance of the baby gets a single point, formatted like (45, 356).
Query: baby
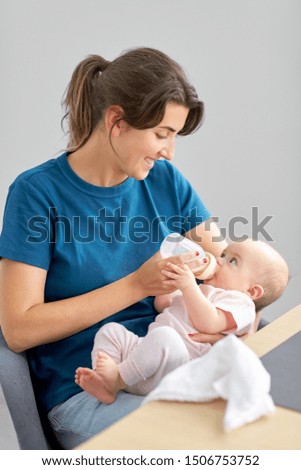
(249, 276)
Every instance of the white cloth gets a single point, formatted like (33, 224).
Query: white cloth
(230, 370)
(238, 303)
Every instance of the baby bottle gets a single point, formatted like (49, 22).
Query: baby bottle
(176, 244)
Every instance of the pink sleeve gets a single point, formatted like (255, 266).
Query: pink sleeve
(240, 305)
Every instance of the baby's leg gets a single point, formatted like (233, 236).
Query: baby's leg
(115, 340)
(111, 343)
(154, 356)
(160, 352)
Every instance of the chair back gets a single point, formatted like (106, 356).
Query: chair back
(18, 392)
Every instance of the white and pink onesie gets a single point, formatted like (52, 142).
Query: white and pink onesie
(143, 362)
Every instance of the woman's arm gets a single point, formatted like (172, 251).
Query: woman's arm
(209, 237)
(27, 321)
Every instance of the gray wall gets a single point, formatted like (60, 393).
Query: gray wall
(243, 57)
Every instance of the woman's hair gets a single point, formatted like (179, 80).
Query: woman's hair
(141, 81)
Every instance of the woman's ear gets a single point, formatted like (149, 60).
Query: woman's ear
(256, 291)
(114, 120)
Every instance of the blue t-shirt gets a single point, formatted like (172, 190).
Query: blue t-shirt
(86, 237)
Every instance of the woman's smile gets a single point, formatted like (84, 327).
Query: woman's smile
(149, 162)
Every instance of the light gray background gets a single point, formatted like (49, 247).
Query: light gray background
(243, 56)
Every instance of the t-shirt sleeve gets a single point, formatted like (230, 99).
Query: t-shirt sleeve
(192, 207)
(25, 233)
(240, 306)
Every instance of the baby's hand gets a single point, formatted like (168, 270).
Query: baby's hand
(179, 276)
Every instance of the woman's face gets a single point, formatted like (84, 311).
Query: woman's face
(136, 151)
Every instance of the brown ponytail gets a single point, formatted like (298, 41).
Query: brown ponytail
(141, 81)
(78, 100)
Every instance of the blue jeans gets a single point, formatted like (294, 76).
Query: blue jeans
(83, 416)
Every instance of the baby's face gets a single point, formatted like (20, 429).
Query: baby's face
(237, 267)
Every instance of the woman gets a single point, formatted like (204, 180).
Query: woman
(81, 232)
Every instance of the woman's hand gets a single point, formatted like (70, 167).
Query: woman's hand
(206, 338)
(149, 276)
(214, 338)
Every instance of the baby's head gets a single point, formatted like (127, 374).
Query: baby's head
(253, 267)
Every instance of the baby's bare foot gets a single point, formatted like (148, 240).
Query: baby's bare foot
(92, 383)
(103, 382)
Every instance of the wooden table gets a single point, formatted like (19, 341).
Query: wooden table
(188, 426)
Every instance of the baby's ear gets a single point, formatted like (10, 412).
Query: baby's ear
(256, 291)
